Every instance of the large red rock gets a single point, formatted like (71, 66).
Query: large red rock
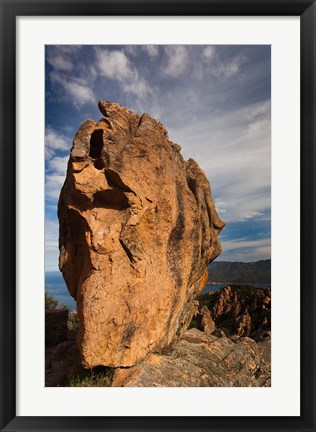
(138, 227)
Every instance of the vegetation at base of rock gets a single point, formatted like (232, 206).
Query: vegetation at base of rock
(95, 377)
(227, 357)
(62, 359)
(52, 303)
(73, 322)
(240, 272)
(194, 324)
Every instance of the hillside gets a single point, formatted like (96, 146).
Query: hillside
(240, 272)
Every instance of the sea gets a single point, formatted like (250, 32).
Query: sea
(56, 286)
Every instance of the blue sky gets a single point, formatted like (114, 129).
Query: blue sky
(215, 102)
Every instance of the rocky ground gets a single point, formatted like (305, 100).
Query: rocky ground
(240, 310)
(228, 345)
(201, 360)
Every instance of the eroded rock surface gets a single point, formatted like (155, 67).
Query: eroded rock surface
(138, 227)
(200, 360)
(240, 310)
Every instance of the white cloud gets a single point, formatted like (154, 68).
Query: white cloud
(53, 185)
(177, 58)
(152, 50)
(219, 67)
(55, 141)
(58, 165)
(133, 50)
(246, 255)
(245, 250)
(60, 63)
(67, 49)
(76, 87)
(51, 245)
(60, 57)
(234, 150)
(80, 93)
(227, 69)
(76, 92)
(245, 243)
(116, 65)
(251, 215)
(208, 53)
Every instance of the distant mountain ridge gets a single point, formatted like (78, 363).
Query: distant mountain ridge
(240, 272)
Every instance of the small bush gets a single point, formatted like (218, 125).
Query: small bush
(96, 377)
(73, 321)
(52, 303)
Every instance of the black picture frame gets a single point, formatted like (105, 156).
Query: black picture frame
(10, 9)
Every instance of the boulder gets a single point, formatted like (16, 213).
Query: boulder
(203, 321)
(138, 227)
(207, 323)
(200, 360)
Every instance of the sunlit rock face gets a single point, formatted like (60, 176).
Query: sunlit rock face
(138, 227)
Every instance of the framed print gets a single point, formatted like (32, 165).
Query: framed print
(169, 304)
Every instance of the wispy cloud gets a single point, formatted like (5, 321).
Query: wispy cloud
(75, 90)
(219, 66)
(51, 244)
(58, 165)
(234, 149)
(75, 87)
(55, 141)
(56, 145)
(60, 63)
(134, 50)
(59, 57)
(245, 243)
(245, 250)
(177, 58)
(208, 53)
(53, 185)
(152, 50)
(117, 66)
(229, 68)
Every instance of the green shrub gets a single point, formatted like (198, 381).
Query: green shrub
(52, 303)
(96, 377)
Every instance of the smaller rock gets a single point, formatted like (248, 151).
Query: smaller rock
(240, 310)
(207, 324)
(243, 327)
